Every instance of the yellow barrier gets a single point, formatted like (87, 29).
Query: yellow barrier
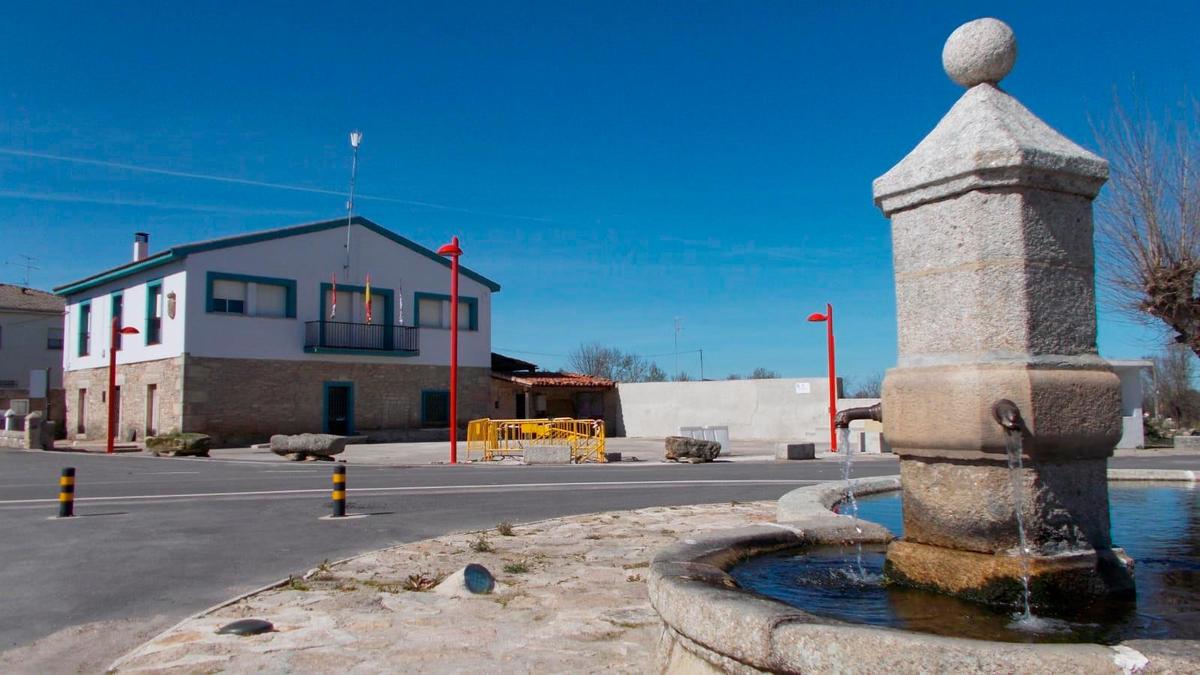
(495, 439)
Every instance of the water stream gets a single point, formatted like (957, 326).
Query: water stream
(1013, 444)
(843, 441)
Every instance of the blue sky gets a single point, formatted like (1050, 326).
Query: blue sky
(612, 164)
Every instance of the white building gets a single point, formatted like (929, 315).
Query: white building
(244, 337)
(31, 349)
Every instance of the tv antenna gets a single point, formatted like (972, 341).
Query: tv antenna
(355, 141)
(27, 264)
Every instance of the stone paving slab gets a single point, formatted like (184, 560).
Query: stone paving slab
(571, 598)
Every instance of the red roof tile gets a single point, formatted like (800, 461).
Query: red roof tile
(542, 379)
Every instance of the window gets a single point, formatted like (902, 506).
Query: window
(85, 328)
(54, 337)
(271, 300)
(154, 312)
(251, 296)
(433, 311)
(228, 297)
(118, 309)
(435, 408)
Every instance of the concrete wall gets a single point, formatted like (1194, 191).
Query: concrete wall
(1133, 433)
(309, 260)
(794, 409)
(23, 347)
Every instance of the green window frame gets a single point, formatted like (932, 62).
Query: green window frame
(116, 301)
(471, 302)
(211, 305)
(154, 323)
(84, 342)
(427, 396)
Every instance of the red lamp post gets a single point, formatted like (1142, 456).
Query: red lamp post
(827, 317)
(112, 376)
(452, 249)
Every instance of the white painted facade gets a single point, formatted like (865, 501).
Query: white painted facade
(133, 290)
(23, 347)
(309, 260)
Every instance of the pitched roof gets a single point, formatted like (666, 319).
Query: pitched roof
(544, 379)
(24, 299)
(179, 252)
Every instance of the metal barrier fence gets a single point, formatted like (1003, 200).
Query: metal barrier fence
(495, 439)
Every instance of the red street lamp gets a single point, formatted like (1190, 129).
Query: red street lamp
(112, 376)
(454, 252)
(827, 317)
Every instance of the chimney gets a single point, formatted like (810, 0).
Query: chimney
(141, 246)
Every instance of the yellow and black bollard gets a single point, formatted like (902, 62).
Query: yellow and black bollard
(66, 493)
(339, 492)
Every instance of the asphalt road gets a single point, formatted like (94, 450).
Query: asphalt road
(157, 539)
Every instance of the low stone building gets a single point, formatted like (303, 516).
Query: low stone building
(281, 331)
(521, 391)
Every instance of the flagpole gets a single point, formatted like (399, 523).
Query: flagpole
(355, 141)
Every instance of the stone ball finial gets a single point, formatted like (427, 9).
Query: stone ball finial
(979, 51)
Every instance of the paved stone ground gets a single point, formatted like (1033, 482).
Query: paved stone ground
(572, 599)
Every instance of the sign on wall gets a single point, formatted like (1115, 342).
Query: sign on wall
(803, 388)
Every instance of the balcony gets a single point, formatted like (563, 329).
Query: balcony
(339, 337)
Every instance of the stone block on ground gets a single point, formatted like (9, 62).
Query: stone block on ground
(548, 454)
(182, 444)
(303, 446)
(1188, 442)
(684, 449)
(796, 451)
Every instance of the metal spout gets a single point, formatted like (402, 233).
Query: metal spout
(844, 417)
(1007, 414)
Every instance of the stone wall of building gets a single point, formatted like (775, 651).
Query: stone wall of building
(133, 380)
(240, 401)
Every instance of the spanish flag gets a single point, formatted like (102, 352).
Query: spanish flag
(367, 298)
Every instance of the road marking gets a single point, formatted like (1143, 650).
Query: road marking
(166, 473)
(427, 488)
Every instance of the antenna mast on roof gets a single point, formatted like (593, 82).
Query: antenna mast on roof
(28, 265)
(355, 141)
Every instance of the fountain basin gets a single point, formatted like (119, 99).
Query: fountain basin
(711, 625)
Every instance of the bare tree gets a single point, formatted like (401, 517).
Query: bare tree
(610, 363)
(594, 359)
(1149, 217)
(1175, 368)
(734, 376)
(870, 387)
(763, 374)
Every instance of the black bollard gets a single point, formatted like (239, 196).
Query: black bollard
(339, 491)
(66, 493)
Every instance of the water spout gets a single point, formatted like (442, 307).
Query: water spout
(843, 419)
(1008, 415)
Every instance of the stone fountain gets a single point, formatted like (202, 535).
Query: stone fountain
(995, 296)
(991, 217)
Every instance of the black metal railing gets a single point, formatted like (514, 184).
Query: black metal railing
(364, 336)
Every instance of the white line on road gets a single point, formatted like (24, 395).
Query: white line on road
(428, 488)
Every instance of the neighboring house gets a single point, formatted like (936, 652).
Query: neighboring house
(243, 337)
(521, 391)
(31, 339)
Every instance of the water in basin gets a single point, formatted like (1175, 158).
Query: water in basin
(1157, 524)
